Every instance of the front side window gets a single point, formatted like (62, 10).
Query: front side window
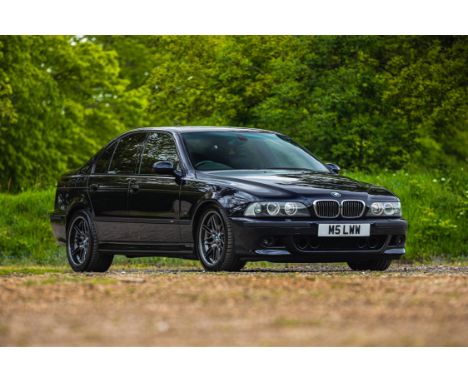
(159, 147)
(127, 154)
(103, 162)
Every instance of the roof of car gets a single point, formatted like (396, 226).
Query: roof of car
(199, 128)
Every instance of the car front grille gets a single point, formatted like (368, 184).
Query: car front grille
(352, 208)
(333, 208)
(327, 208)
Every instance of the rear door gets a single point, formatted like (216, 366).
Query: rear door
(108, 187)
(153, 199)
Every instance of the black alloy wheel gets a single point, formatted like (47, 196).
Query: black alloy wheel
(82, 245)
(78, 241)
(215, 242)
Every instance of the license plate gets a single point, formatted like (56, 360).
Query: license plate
(341, 230)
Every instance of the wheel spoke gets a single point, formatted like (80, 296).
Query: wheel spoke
(215, 254)
(211, 238)
(78, 241)
(209, 254)
(211, 223)
(77, 230)
(85, 229)
(207, 229)
(80, 225)
(80, 256)
(216, 223)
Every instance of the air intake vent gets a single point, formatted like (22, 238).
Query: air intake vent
(352, 208)
(327, 208)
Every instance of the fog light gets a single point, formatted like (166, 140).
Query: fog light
(268, 241)
(399, 240)
(301, 243)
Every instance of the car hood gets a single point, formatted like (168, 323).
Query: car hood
(292, 183)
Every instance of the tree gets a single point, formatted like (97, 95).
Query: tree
(64, 99)
(361, 101)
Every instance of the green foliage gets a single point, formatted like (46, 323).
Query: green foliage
(25, 230)
(61, 99)
(435, 205)
(365, 102)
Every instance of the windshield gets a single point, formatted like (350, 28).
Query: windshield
(238, 150)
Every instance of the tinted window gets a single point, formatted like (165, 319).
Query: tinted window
(238, 150)
(159, 147)
(127, 154)
(102, 164)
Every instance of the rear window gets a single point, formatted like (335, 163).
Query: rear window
(127, 154)
(103, 162)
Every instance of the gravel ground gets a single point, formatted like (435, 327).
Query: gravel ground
(300, 305)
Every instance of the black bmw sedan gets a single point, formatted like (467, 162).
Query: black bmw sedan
(224, 196)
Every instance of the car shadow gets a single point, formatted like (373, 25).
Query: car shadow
(287, 270)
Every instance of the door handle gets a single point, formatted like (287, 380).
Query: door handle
(93, 187)
(134, 187)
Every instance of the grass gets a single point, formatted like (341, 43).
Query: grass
(436, 208)
(25, 232)
(435, 205)
(19, 270)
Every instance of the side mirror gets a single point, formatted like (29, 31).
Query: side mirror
(334, 168)
(164, 167)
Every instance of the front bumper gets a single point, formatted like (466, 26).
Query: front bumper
(387, 238)
(58, 226)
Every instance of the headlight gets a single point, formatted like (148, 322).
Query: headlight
(385, 209)
(277, 209)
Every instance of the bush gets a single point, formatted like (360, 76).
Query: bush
(25, 230)
(436, 207)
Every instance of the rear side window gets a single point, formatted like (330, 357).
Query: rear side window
(159, 147)
(102, 164)
(127, 154)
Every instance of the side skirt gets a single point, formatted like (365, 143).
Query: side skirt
(174, 250)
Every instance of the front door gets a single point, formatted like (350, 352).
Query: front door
(153, 201)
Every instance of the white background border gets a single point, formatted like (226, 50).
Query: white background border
(233, 17)
(232, 364)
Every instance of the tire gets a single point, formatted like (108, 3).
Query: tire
(370, 265)
(214, 242)
(240, 266)
(82, 245)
